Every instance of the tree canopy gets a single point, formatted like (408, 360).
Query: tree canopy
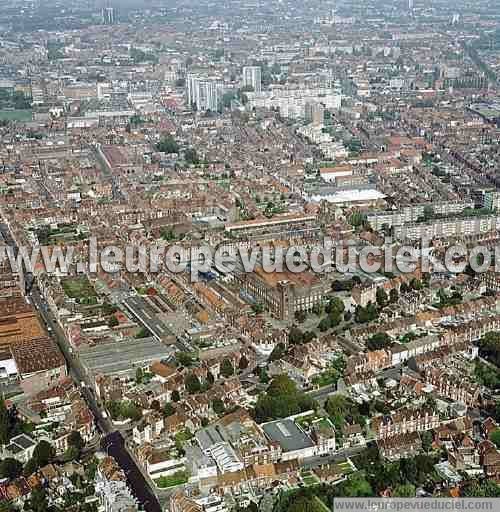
(168, 145)
(10, 468)
(227, 369)
(193, 384)
(282, 399)
(379, 341)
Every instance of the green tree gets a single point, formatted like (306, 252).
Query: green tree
(357, 487)
(278, 352)
(191, 156)
(495, 437)
(10, 468)
(258, 308)
(295, 336)
(282, 385)
(263, 376)
(218, 406)
(381, 297)
(379, 341)
(38, 501)
(168, 145)
(365, 315)
(44, 453)
(227, 369)
(113, 408)
(307, 504)
(4, 423)
(185, 359)
(404, 491)
(300, 316)
(243, 364)
(131, 410)
(357, 219)
(334, 318)
(281, 400)
(416, 284)
(168, 410)
(393, 296)
(336, 405)
(481, 489)
(75, 439)
(343, 410)
(193, 384)
(7, 507)
(176, 397)
(318, 309)
(489, 346)
(309, 336)
(335, 305)
(139, 375)
(30, 467)
(427, 440)
(324, 325)
(409, 470)
(71, 453)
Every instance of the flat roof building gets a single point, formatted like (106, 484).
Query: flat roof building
(294, 442)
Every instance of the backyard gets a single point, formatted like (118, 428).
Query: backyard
(179, 478)
(81, 289)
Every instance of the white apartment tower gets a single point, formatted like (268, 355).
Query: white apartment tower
(203, 93)
(252, 77)
(108, 16)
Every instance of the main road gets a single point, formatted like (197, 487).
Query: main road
(112, 442)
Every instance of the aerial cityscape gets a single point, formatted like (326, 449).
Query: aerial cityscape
(249, 255)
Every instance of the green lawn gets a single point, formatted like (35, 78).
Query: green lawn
(310, 481)
(325, 379)
(305, 421)
(184, 436)
(345, 467)
(321, 505)
(79, 288)
(331, 375)
(309, 478)
(179, 478)
(16, 115)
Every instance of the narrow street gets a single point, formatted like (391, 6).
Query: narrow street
(113, 442)
(114, 445)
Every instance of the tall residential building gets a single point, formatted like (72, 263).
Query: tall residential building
(492, 200)
(108, 16)
(315, 113)
(292, 102)
(252, 77)
(191, 84)
(203, 93)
